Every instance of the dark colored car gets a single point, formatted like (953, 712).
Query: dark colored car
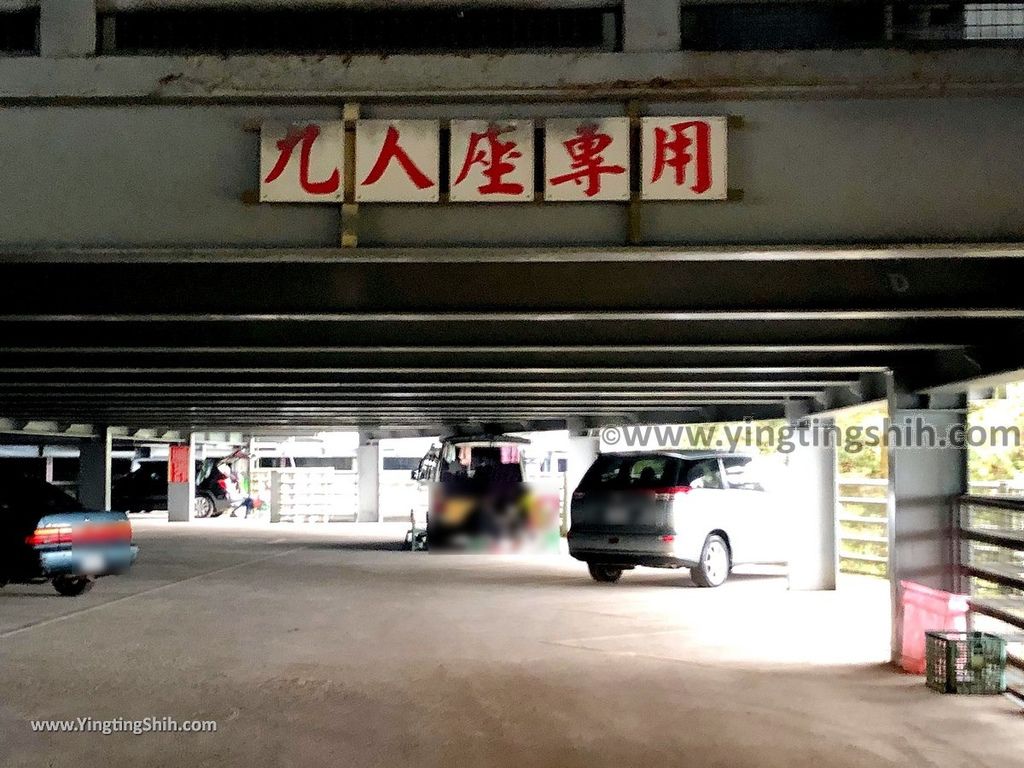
(45, 535)
(145, 488)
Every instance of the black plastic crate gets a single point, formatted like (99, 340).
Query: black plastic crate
(965, 662)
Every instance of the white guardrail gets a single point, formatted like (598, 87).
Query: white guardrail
(863, 525)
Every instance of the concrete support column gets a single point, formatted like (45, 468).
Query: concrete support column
(94, 473)
(67, 28)
(650, 25)
(368, 465)
(583, 449)
(811, 522)
(926, 475)
(181, 495)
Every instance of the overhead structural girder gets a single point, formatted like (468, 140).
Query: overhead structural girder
(399, 339)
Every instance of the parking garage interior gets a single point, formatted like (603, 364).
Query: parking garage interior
(165, 314)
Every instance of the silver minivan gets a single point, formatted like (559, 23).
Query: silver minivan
(706, 511)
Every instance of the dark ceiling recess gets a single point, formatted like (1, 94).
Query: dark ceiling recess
(847, 24)
(344, 30)
(19, 32)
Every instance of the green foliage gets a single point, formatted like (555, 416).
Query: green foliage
(994, 461)
(856, 457)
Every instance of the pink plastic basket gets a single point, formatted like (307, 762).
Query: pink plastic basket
(927, 610)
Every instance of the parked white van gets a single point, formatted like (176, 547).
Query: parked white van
(705, 511)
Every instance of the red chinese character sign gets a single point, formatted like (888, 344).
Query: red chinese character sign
(397, 161)
(683, 158)
(302, 162)
(586, 159)
(491, 161)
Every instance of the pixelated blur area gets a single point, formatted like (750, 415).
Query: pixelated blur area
(480, 501)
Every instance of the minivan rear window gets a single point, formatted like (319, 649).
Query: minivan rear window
(612, 471)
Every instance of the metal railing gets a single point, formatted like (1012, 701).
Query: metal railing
(990, 554)
(995, 488)
(863, 525)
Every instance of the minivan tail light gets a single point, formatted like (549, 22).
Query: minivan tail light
(223, 483)
(667, 494)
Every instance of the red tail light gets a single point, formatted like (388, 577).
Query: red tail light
(668, 537)
(667, 493)
(50, 535)
(223, 483)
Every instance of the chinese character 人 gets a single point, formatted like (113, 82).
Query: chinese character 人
(392, 150)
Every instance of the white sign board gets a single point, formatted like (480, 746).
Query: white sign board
(398, 161)
(491, 161)
(586, 159)
(683, 158)
(302, 162)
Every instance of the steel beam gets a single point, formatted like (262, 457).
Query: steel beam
(510, 255)
(190, 292)
(511, 77)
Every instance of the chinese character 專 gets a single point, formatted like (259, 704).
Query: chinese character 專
(586, 161)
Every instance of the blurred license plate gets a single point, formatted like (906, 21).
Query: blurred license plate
(92, 564)
(616, 515)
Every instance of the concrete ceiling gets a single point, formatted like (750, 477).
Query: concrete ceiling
(404, 341)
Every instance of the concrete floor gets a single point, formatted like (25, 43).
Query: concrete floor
(326, 647)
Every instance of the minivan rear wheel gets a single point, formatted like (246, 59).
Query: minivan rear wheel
(605, 573)
(715, 563)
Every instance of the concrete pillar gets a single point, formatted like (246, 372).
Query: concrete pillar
(181, 495)
(811, 521)
(67, 28)
(368, 465)
(650, 25)
(94, 473)
(926, 475)
(583, 449)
